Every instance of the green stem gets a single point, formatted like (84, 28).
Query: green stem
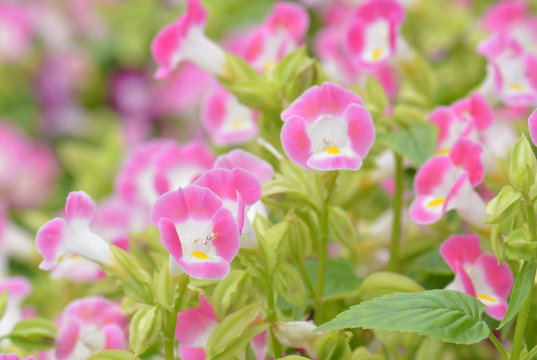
(522, 318)
(498, 345)
(397, 211)
(272, 316)
(169, 342)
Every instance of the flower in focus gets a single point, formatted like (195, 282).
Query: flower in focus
(446, 182)
(90, 325)
(373, 34)
(194, 327)
(72, 235)
(184, 39)
(227, 121)
(327, 128)
(198, 231)
(478, 274)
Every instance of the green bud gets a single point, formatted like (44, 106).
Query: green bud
(523, 166)
(504, 206)
(144, 328)
(163, 287)
(496, 240)
(333, 345)
(518, 245)
(34, 334)
(381, 283)
(113, 355)
(299, 241)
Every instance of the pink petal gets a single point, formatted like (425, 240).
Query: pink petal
(431, 174)
(444, 118)
(211, 270)
(17, 287)
(67, 339)
(115, 336)
(295, 141)
(227, 242)
(170, 238)
(463, 249)
(360, 129)
(239, 158)
(191, 353)
(163, 47)
(307, 106)
(79, 206)
(423, 214)
(336, 99)
(289, 16)
(481, 111)
(532, 124)
(467, 154)
(348, 161)
(49, 237)
(194, 322)
(498, 277)
(247, 186)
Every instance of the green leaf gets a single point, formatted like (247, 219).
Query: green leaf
(113, 355)
(164, 287)
(3, 302)
(416, 142)
(504, 206)
(333, 345)
(339, 281)
(341, 228)
(228, 290)
(520, 292)
(384, 282)
(144, 327)
(34, 334)
(447, 315)
(362, 353)
(375, 97)
(523, 165)
(289, 284)
(293, 357)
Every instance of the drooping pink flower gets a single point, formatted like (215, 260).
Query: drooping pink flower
(184, 39)
(227, 121)
(195, 325)
(478, 274)
(466, 118)
(90, 325)
(446, 182)
(282, 31)
(236, 188)
(239, 158)
(327, 128)
(373, 34)
(72, 235)
(511, 72)
(198, 231)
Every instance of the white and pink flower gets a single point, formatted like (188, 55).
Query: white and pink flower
(194, 327)
(238, 158)
(73, 235)
(374, 33)
(446, 182)
(18, 288)
(478, 274)
(90, 325)
(226, 120)
(327, 128)
(198, 231)
(184, 39)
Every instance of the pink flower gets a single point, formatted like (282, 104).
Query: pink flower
(236, 188)
(90, 325)
(532, 125)
(17, 289)
(14, 357)
(194, 327)
(466, 118)
(227, 121)
(327, 128)
(374, 32)
(72, 235)
(198, 231)
(478, 274)
(282, 32)
(238, 158)
(511, 72)
(184, 39)
(15, 31)
(446, 182)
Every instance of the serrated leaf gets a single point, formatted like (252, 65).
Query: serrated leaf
(384, 282)
(416, 143)
(447, 315)
(113, 355)
(520, 292)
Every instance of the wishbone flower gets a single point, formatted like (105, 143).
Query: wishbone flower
(478, 274)
(198, 231)
(327, 128)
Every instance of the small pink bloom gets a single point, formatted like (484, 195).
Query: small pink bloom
(236, 188)
(327, 128)
(72, 235)
(200, 234)
(90, 325)
(282, 32)
(227, 121)
(15, 31)
(194, 327)
(478, 274)
(238, 158)
(374, 32)
(446, 182)
(184, 39)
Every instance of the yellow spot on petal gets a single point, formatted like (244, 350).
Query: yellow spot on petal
(487, 298)
(436, 202)
(332, 150)
(377, 53)
(444, 151)
(269, 65)
(200, 255)
(237, 124)
(516, 87)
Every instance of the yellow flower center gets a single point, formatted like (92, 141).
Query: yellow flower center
(237, 124)
(200, 255)
(377, 53)
(436, 202)
(487, 298)
(332, 150)
(269, 65)
(516, 87)
(443, 151)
